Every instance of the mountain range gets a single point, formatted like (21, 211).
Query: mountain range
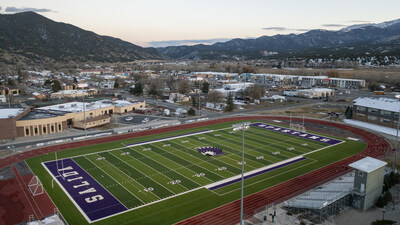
(36, 37)
(386, 35)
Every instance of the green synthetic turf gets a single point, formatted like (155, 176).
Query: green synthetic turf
(128, 173)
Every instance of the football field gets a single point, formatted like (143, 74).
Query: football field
(105, 183)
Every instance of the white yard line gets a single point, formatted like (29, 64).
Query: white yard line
(143, 174)
(252, 172)
(157, 173)
(151, 203)
(257, 163)
(113, 179)
(171, 138)
(191, 164)
(138, 183)
(269, 178)
(68, 195)
(203, 161)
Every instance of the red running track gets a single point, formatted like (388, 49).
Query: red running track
(229, 213)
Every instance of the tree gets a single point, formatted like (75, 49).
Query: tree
(11, 82)
(75, 80)
(47, 83)
(191, 112)
(380, 202)
(56, 86)
(138, 89)
(374, 86)
(254, 92)
(184, 86)
(193, 101)
(205, 87)
(116, 84)
(214, 96)
(230, 106)
(349, 112)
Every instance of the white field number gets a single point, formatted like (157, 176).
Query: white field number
(199, 175)
(174, 182)
(149, 189)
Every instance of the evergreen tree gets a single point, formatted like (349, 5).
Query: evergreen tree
(205, 87)
(138, 89)
(116, 84)
(193, 101)
(191, 112)
(230, 106)
(56, 86)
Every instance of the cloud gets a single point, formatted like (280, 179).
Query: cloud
(333, 25)
(276, 28)
(358, 21)
(302, 30)
(158, 44)
(16, 10)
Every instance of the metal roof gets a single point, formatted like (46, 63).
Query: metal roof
(368, 164)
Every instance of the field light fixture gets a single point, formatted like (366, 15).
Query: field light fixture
(236, 127)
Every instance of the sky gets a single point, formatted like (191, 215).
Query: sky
(159, 23)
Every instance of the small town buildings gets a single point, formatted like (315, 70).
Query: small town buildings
(74, 93)
(315, 93)
(8, 90)
(57, 118)
(346, 83)
(381, 111)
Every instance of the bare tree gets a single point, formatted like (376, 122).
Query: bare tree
(184, 86)
(215, 96)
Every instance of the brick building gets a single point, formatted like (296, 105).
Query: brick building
(380, 111)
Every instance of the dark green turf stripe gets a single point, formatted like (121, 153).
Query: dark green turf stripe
(137, 175)
(162, 169)
(114, 188)
(213, 160)
(210, 175)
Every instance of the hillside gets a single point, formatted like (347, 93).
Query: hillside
(34, 36)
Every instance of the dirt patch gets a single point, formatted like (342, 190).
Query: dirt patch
(307, 111)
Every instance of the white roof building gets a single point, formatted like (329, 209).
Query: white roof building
(388, 104)
(368, 164)
(9, 113)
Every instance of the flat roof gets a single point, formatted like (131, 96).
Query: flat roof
(368, 164)
(78, 106)
(9, 113)
(388, 104)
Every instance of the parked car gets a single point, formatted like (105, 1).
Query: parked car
(145, 120)
(129, 118)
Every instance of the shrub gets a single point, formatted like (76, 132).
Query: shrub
(383, 222)
(191, 112)
(387, 197)
(380, 202)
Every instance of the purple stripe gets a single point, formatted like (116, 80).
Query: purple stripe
(144, 142)
(255, 174)
(98, 203)
(296, 133)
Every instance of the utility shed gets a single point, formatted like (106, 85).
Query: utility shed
(368, 182)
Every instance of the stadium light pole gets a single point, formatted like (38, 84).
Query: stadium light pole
(241, 126)
(397, 137)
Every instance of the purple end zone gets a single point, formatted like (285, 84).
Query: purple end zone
(92, 198)
(255, 174)
(296, 133)
(160, 139)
